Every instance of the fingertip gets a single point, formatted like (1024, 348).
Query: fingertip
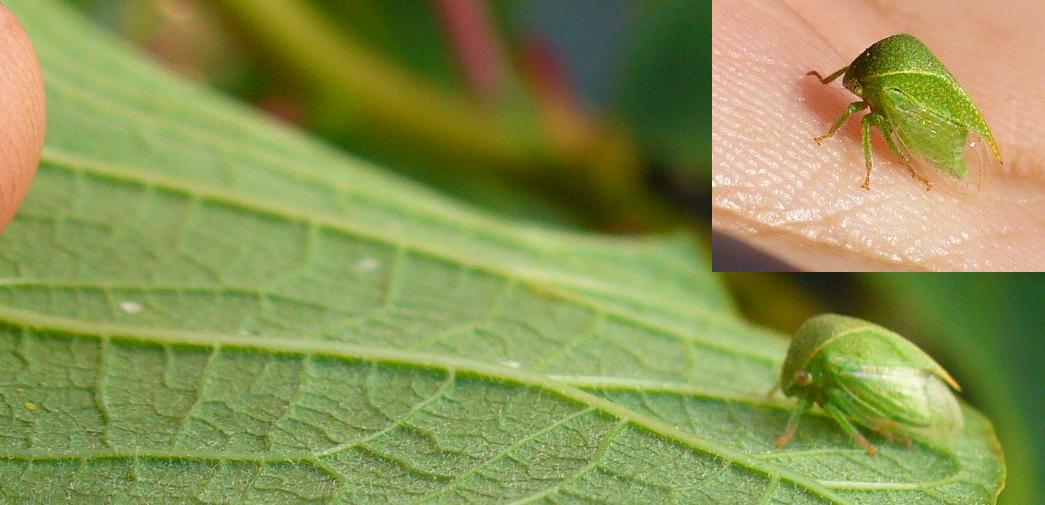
(22, 114)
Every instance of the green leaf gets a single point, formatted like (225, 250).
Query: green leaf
(199, 305)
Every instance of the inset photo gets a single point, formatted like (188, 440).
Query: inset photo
(891, 136)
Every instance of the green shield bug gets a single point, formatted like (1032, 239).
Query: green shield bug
(862, 373)
(927, 119)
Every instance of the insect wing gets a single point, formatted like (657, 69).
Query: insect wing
(913, 399)
(892, 392)
(941, 149)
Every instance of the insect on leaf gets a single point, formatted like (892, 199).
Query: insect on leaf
(927, 117)
(865, 374)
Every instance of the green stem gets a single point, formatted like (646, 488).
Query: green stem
(324, 59)
(593, 168)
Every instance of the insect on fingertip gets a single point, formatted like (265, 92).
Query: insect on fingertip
(916, 103)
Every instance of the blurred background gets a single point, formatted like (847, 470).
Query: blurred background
(590, 115)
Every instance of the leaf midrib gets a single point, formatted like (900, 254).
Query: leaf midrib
(458, 366)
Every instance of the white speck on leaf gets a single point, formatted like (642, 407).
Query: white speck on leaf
(367, 265)
(511, 364)
(131, 307)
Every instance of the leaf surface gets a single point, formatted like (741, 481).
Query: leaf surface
(199, 305)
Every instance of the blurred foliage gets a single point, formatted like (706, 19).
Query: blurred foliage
(791, 302)
(665, 91)
(986, 329)
(561, 161)
(407, 31)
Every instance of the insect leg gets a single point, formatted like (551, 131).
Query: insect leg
(890, 434)
(792, 422)
(848, 427)
(829, 78)
(849, 111)
(866, 123)
(772, 391)
(889, 430)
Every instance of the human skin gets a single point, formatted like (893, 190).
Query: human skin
(22, 115)
(777, 190)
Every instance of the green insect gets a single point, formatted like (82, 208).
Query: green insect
(924, 115)
(863, 373)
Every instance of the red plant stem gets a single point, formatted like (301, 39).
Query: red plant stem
(546, 73)
(472, 33)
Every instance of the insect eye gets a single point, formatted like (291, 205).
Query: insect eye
(803, 378)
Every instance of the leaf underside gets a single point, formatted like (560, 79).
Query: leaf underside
(198, 305)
